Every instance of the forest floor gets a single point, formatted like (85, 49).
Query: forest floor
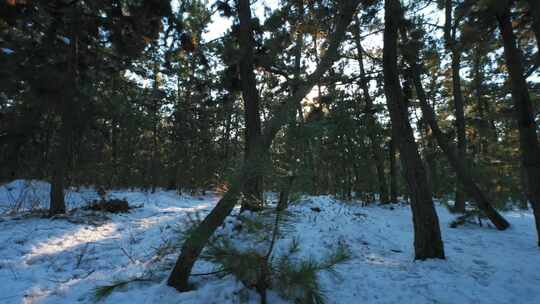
(63, 260)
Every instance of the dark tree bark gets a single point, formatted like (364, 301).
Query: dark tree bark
(528, 140)
(463, 174)
(253, 192)
(372, 127)
(194, 244)
(59, 168)
(66, 99)
(459, 205)
(455, 53)
(427, 235)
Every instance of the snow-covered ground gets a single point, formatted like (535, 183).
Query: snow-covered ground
(62, 260)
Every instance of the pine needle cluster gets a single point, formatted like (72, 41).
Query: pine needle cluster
(292, 277)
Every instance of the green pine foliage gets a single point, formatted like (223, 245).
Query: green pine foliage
(292, 277)
(101, 292)
(286, 272)
(297, 280)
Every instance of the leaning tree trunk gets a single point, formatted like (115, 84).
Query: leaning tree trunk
(427, 234)
(194, 244)
(253, 187)
(528, 140)
(463, 173)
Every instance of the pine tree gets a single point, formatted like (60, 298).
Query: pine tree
(427, 235)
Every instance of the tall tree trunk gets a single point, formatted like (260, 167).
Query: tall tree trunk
(372, 126)
(455, 54)
(427, 234)
(252, 191)
(194, 244)
(528, 140)
(67, 111)
(60, 163)
(459, 205)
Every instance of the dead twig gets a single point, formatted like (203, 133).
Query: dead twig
(128, 255)
(72, 278)
(81, 255)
